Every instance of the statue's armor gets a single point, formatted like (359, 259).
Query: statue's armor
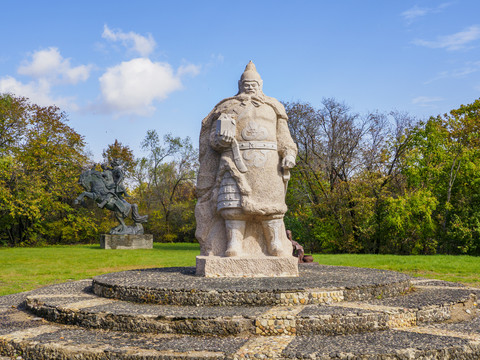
(256, 136)
(229, 194)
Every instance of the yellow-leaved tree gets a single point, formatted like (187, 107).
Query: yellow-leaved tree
(41, 158)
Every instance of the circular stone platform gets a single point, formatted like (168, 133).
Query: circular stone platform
(79, 306)
(316, 284)
(307, 319)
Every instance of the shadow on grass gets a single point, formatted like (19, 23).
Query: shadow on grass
(176, 246)
(158, 246)
(93, 246)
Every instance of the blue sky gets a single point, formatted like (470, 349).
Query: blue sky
(119, 68)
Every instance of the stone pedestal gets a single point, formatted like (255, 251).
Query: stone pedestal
(265, 266)
(144, 241)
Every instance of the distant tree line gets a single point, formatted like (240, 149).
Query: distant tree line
(40, 159)
(385, 183)
(374, 183)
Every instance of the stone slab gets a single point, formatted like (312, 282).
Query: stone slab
(35, 340)
(423, 298)
(24, 335)
(126, 241)
(315, 284)
(311, 277)
(389, 344)
(268, 266)
(85, 309)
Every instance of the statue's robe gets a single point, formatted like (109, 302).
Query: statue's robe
(259, 122)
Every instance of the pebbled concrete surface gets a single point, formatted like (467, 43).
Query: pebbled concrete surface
(73, 288)
(381, 343)
(425, 297)
(434, 282)
(33, 339)
(316, 284)
(466, 327)
(26, 336)
(20, 328)
(118, 307)
(311, 276)
(84, 308)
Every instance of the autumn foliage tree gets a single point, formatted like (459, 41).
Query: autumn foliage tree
(324, 192)
(348, 165)
(373, 183)
(122, 155)
(445, 161)
(385, 182)
(40, 160)
(165, 186)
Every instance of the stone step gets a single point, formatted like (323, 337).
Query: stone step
(25, 337)
(432, 320)
(316, 284)
(77, 305)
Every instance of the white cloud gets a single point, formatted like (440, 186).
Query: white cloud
(416, 11)
(455, 41)
(469, 68)
(49, 64)
(138, 43)
(37, 91)
(46, 68)
(426, 101)
(188, 69)
(131, 87)
(218, 58)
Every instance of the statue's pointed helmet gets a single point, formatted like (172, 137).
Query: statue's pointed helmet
(250, 74)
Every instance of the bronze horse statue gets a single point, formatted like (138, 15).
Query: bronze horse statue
(101, 187)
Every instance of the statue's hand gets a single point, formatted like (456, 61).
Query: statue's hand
(225, 138)
(288, 162)
(76, 201)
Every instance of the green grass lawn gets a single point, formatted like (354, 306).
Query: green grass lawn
(464, 269)
(23, 269)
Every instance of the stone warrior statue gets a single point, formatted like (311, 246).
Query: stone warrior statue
(246, 152)
(106, 189)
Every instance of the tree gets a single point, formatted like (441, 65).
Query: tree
(384, 152)
(165, 186)
(349, 168)
(444, 159)
(120, 154)
(13, 122)
(41, 158)
(329, 142)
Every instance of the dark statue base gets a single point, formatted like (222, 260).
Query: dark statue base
(122, 229)
(126, 241)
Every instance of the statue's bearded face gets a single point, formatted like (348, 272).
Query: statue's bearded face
(250, 87)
